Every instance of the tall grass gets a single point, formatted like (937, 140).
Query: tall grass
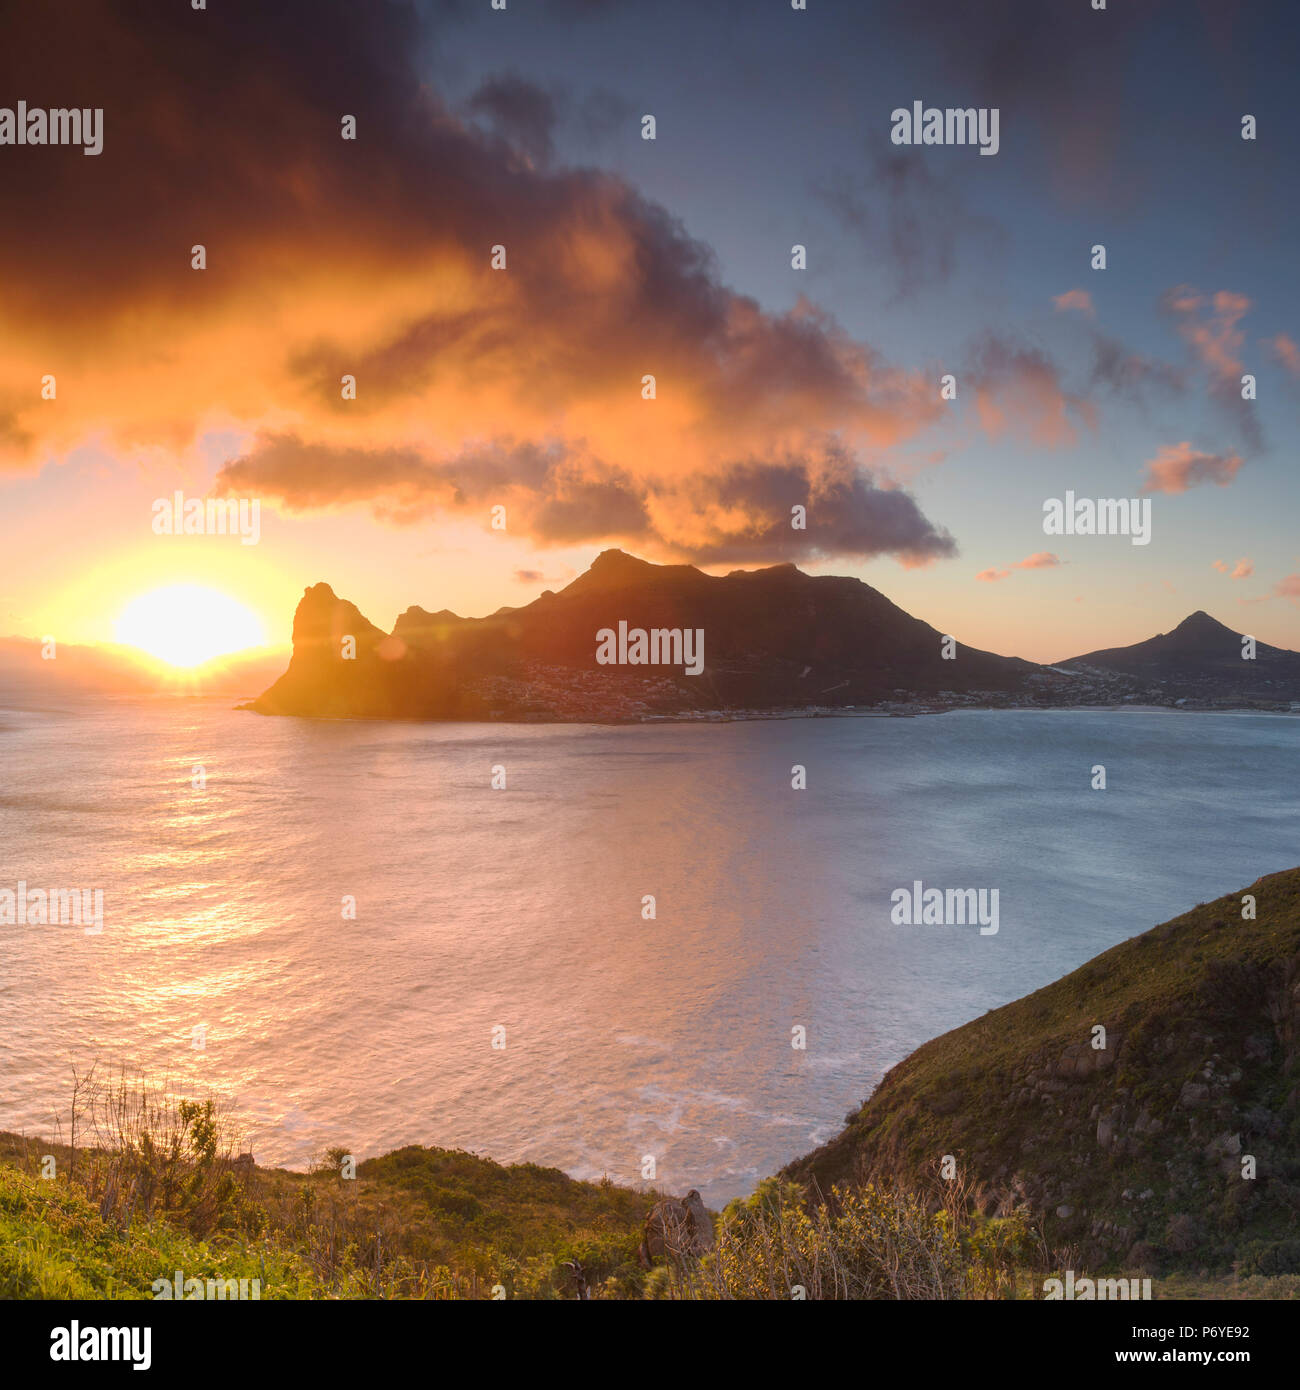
(859, 1243)
(428, 1224)
(139, 1152)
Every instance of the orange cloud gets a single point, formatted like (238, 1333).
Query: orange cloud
(1018, 391)
(1286, 351)
(1039, 560)
(1177, 467)
(1242, 570)
(495, 313)
(1216, 338)
(1209, 324)
(1074, 299)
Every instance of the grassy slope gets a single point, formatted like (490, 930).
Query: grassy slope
(316, 1235)
(1201, 1020)
(465, 1210)
(54, 1244)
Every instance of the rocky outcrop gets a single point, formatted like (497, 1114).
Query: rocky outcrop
(676, 1229)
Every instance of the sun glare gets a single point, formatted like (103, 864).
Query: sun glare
(186, 625)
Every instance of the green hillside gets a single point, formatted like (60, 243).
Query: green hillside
(1134, 1153)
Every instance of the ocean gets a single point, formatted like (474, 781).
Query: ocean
(501, 985)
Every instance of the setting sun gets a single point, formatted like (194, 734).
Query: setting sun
(186, 625)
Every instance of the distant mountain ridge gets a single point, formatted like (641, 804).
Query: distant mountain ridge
(1197, 655)
(773, 639)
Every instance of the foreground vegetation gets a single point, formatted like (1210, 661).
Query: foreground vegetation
(152, 1187)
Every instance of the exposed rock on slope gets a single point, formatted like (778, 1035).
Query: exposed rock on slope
(678, 1228)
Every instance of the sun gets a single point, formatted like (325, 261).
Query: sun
(186, 625)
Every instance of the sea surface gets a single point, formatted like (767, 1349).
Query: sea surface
(481, 909)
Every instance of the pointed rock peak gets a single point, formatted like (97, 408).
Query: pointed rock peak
(1201, 624)
(321, 615)
(618, 562)
(616, 569)
(317, 604)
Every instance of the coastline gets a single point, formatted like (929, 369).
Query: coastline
(905, 710)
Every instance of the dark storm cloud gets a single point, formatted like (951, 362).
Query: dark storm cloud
(371, 259)
(562, 496)
(1132, 375)
(910, 221)
(220, 126)
(744, 513)
(847, 515)
(1057, 68)
(520, 111)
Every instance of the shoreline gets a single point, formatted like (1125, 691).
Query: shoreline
(759, 716)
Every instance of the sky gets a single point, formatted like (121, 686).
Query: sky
(521, 386)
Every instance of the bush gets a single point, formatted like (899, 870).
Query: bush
(863, 1243)
(1270, 1257)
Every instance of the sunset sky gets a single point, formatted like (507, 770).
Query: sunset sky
(521, 387)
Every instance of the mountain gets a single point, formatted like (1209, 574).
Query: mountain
(1134, 1153)
(1201, 659)
(772, 638)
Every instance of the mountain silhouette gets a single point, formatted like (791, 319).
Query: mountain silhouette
(1200, 656)
(771, 638)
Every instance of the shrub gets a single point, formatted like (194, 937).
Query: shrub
(1270, 1257)
(863, 1243)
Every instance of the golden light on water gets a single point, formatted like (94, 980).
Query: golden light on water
(186, 625)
